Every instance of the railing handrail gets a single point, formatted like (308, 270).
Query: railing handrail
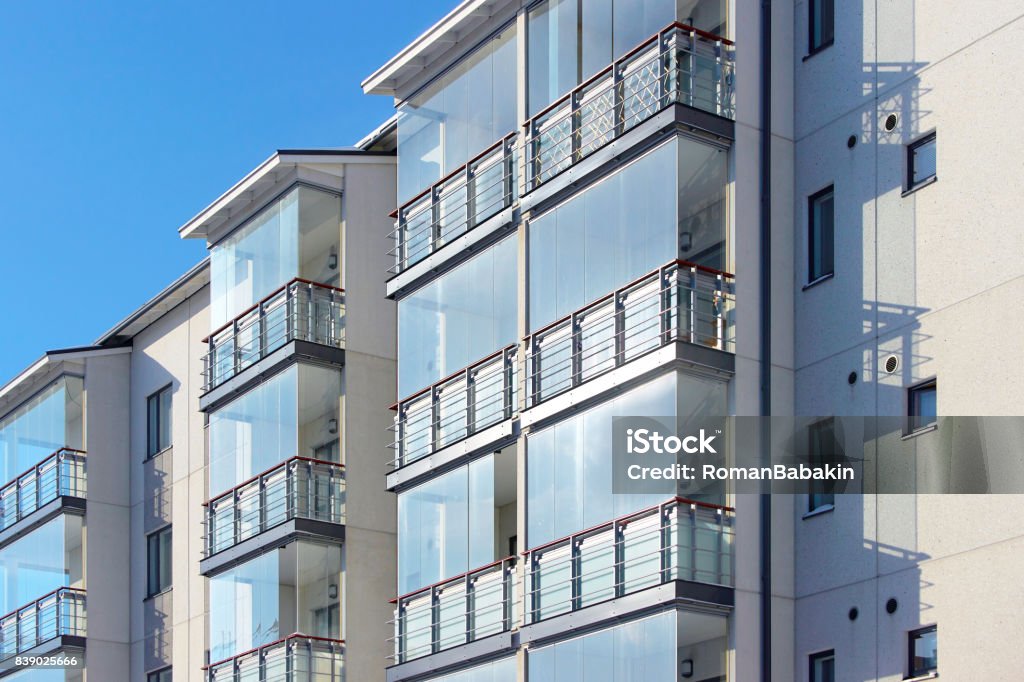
(437, 183)
(256, 477)
(32, 468)
(43, 598)
(454, 578)
(625, 518)
(676, 262)
(272, 294)
(294, 635)
(451, 376)
(626, 55)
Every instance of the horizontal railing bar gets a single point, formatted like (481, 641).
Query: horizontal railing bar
(46, 596)
(265, 299)
(43, 461)
(256, 477)
(460, 576)
(439, 382)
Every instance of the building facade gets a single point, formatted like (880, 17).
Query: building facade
(606, 208)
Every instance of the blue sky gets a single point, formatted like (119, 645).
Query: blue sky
(120, 121)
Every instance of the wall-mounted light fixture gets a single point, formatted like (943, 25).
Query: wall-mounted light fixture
(685, 241)
(332, 260)
(332, 426)
(686, 668)
(332, 591)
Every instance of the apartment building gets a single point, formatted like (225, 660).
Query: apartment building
(695, 209)
(229, 523)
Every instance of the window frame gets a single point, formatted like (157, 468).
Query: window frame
(813, 49)
(911, 428)
(153, 440)
(820, 427)
(154, 558)
(909, 186)
(157, 675)
(819, 656)
(812, 200)
(912, 636)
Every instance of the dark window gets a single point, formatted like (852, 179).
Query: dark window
(159, 676)
(921, 161)
(158, 561)
(823, 666)
(822, 24)
(921, 404)
(821, 227)
(924, 651)
(158, 421)
(821, 448)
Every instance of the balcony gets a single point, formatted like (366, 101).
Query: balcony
(47, 620)
(296, 658)
(456, 407)
(454, 205)
(457, 611)
(679, 65)
(298, 488)
(300, 310)
(680, 301)
(677, 540)
(62, 474)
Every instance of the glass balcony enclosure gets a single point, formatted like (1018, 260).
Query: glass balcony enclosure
(652, 648)
(458, 115)
(571, 40)
(56, 614)
(456, 522)
(37, 563)
(668, 204)
(297, 412)
(293, 589)
(461, 317)
(299, 235)
(60, 474)
(47, 422)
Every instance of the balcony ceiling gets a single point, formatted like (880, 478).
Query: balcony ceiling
(436, 41)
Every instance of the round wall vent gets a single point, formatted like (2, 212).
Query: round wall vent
(892, 363)
(890, 122)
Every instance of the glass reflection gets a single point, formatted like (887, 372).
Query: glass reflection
(50, 420)
(38, 563)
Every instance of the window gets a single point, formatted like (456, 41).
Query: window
(822, 24)
(921, 162)
(158, 561)
(821, 449)
(159, 676)
(922, 403)
(820, 234)
(823, 666)
(924, 651)
(158, 421)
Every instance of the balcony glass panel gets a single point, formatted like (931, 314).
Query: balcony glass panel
(50, 420)
(58, 613)
(567, 46)
(298, 235)
(496, 671)
(60, 474)
(284, 591)
(647, 649)
(36, 564)
(457, 319)
(296, 412)
(668, 202)
(469, 107)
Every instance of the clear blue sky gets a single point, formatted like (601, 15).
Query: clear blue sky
(121, 120)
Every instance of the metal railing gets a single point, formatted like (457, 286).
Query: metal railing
(680, 64)
(58, 613)
(456, 407)
(301, 309)
(456, 611)
(680, 301)
(60, 474)
(457, 203)
(296, 488)
(677, 540)
(296, 658)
